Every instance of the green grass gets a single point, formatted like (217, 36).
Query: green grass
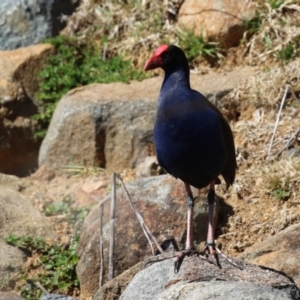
(196, 46)
(279, 189)
(76, 63)
(64, 207)
(274, 4)
(55, 270)
(254, 25)
(289, 51)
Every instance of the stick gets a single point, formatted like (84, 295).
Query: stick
(278, 117)
(145, 228)
(39, 285)
(101, 247)
(289, 142)
(112, 228)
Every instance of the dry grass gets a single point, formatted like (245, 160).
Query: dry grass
(131, 28)
(280, 26)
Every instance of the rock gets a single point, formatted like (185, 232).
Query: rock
(280, 252)
(18, 84)
(90, 127)
(17, 214)
(28, 22)
(114, 288)
(10, 296)
(111, 125)
(161, 201)
(149, 167)
(220, 21)
(11, 264)
(197, 279)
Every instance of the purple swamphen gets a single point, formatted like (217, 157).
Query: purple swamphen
(193, 140)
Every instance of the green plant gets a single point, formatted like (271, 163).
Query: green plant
(280, 189)
(196, 46)
(73, 214)
(274, 4)
(286, 53)
(76, 62)
(55, 270)
(290, 50)
(56, 208)
(254, 25)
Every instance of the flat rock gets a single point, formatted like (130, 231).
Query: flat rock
(280, 252)
(197, 280)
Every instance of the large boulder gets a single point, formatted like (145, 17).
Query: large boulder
(24, 23)
(111, 125)
(161, 200)
(199, 280)
(280, 252)
(222, 21)
(99, 125)
(18, 215)
(18, 84)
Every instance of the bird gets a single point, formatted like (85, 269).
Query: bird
(193, 141)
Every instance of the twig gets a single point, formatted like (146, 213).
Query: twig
(101, 247)
(145, 228)
(287, 144)
(112, 228)
(39, 285)
(278, 117)
(104, 52)
(294, 95)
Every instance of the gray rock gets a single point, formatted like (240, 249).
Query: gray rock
(222, 291)
(27, 22)
(199, 280)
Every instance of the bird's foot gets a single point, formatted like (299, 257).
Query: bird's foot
(178, 257)
(210, 253)
(210, 249)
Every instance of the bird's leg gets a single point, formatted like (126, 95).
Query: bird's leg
(210, 241)
(189, 244)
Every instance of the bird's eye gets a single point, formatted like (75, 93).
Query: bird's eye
(166, 54)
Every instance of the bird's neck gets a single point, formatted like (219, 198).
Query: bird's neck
(179, 77)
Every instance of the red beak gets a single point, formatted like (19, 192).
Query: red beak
(153, 63)
(155, 60)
